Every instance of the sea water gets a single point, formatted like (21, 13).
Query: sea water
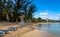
(51, 27)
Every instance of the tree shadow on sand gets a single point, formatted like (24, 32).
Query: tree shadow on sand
(1, 35)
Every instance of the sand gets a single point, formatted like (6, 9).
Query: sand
(19, 32)
(28, 31)
(38, 33)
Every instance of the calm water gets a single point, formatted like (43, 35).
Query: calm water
(52, 27)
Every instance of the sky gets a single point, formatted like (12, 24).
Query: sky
(47, 9)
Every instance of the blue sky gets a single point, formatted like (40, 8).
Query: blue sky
(47, 8)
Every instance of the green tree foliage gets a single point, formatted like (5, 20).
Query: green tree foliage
(39, 19)
(6, 10)
(1, 6)
(24, 7)
(10, 9)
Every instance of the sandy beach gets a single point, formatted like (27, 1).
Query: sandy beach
(28, 31)
(18, 33)
(37, 33)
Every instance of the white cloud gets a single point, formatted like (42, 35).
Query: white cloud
(51, 17)
(58, 14)
(43, 17)
(43, 13)
(54, 18)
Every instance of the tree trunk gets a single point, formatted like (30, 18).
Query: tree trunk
(16, 20)
(7, 17)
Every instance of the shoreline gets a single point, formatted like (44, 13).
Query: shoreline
(26, 30)
(38, 33)
(35, 31)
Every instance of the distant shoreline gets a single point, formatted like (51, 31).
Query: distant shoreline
(37, 23)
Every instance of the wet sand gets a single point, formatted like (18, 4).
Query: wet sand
(37, 33)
